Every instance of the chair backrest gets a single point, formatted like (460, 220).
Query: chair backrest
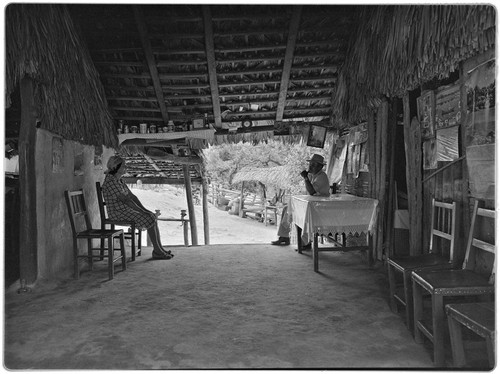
(77, 209)
(443, 228)
(101, 202)
(476, 238)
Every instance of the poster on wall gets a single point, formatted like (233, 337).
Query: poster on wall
(426, 105)
(447, 143)
(480, 122)
(57, 155)
(429, 152)
(448, 107)
(337, 161)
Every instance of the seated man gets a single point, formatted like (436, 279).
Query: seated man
(317, 184)
(123, 205)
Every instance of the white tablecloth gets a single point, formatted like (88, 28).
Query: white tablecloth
(340, 213)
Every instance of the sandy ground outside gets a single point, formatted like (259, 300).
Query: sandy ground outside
(223, 227)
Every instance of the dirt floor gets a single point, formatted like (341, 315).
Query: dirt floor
(220, 306)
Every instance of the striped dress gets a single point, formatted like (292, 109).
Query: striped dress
(117, 210)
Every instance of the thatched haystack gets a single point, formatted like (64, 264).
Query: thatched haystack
(397, 48)
(42, 43)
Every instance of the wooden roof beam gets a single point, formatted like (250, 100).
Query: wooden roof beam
(148, 52)
(293, 30)
(212, 74)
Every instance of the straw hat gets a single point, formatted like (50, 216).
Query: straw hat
(318, 159)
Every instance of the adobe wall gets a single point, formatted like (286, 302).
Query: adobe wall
(55, 257)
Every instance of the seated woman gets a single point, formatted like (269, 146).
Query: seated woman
(122, 204)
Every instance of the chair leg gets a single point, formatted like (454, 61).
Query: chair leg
(408, 299)
(392, 288)
(122, 251)
(89, 254)
(457, 344)
(76, 268)
(418, 311)
(438, 329)
(299, 238)
(102, 248)
(315, 252)
(132, 230)
(111, 269)
(139, 241)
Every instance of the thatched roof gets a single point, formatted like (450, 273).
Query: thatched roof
(277, 176)
(398, 48)
(42, 43)
(263, 63)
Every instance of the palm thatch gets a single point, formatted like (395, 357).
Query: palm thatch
(397, 48)
(277, 176)
(42, 43)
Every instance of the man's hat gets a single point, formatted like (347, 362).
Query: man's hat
(318, 159)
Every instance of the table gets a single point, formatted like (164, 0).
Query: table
(340, 213)
(478, 317)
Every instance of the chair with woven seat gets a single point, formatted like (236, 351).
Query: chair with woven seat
(82, 229)
(443, 230)
(454, 283)
(136, 250)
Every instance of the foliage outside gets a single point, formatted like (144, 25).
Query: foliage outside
(223, 162)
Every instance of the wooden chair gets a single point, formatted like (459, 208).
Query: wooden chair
(443, 230)
(77, 209)
(107, 221)
(452, 283)
(477, 317)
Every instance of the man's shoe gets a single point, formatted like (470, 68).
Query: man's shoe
(307, 247)
(281, 241)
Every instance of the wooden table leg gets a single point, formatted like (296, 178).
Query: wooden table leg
(315, 252)
(299, 238)
(490, 348)
(438, 329)
(457, 345)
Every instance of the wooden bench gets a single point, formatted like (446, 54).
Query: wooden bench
(478, 317)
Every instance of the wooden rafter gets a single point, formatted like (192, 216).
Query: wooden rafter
(148, 52)
(212, 75)
(287, 64)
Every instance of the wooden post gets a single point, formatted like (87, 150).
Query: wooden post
(389, 233)
(241, 199)
(382, 136)
(27, 185)
(371, 154)
(189, 196)
(413, 176)
(184, 227)
(204, 202)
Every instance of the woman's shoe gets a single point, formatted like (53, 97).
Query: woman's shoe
(281, 241)
(162, 256)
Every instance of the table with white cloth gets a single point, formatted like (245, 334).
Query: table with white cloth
(338, 214)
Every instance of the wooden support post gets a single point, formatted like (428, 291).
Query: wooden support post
(189, 196)
(27, 185)
(241, 199)
(389, 233)
(382, 135)
(371, 154)
(204, 202)
(413, 176)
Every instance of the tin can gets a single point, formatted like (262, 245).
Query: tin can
(152, 129)
(143, 128)
(126, 129)
(133, 129)
(165, 128)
